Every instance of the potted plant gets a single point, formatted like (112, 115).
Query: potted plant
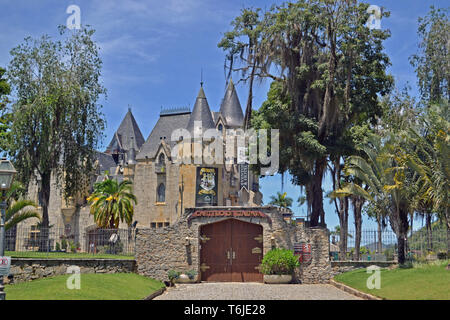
(187, 277)
(173, 276)
(278, 265)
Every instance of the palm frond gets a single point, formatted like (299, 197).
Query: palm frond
(19, 217)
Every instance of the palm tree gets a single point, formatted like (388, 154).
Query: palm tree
(386, 186)
(112, 203)
(15, 212)
(432, 162)
(281, 200)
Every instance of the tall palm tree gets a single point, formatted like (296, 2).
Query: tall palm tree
(281, 200)
(112, 203)
(16, 211)
(386, 188)
(432, 162)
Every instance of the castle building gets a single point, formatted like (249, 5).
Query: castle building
(192, 214)
(164, 188)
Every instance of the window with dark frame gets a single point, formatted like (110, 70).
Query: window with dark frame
(161, 192)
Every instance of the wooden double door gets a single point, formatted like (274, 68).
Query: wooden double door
(231, 250)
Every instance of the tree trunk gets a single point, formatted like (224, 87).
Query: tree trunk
(398, 219)
(447, 223)
(343, 222)
(45, 224)
(380, 237)
(402, 235)
(317, 194)
(357, 203)
(448, 241)
(401, 240)
(429, 232)
(45, 196)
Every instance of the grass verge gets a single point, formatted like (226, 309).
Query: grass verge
(421, 282)
(117, 286)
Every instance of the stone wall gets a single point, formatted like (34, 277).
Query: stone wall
(25, 269)
(176, 247)
(338, 267)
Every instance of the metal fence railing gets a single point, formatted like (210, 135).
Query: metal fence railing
(48, 241)
(382, 246)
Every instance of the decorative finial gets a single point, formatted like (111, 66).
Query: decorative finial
(201, 77)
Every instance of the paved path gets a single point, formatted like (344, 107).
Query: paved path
(254, 291)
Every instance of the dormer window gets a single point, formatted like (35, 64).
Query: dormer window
(220, 127)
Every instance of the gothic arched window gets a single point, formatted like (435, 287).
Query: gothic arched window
(161, 159)
(161, 192)
(220, 127)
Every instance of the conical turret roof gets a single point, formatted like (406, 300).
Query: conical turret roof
(201, 112)
(127, 136)
(231, 107)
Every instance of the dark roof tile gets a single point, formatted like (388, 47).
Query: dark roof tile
(127, 136)
(231, 107)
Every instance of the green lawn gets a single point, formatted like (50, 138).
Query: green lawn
(423, 282)
(64, 255)
(118, 286)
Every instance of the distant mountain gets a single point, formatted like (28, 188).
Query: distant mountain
(373, 246)
(419, 239)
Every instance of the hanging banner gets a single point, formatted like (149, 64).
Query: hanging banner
(243, 176)
(207, 184)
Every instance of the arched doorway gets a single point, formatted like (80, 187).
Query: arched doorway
(231, 250)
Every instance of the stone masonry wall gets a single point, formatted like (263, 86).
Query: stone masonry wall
(163, 249)
(26, 269)
(338, 267)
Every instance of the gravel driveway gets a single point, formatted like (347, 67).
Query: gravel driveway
(254, 291)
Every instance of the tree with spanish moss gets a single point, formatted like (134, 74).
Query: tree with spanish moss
(318, 54)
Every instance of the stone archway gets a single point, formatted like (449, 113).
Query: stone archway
(231, 250)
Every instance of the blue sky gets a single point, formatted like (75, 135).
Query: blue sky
(153, 52)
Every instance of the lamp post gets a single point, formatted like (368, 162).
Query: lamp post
(7, 173)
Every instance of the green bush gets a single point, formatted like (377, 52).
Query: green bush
(389, 254)
(173, 275)
(116, 248)
(191, 274)
(406, 265)
(364, 250)
(64, 244)
(279, 261)
(57, 247)
(442, 255)
(73, 247)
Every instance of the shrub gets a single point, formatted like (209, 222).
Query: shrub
(57, 247)
(191, 274)
(389, 253)
(406, 265)
(116, 248)
(279, 261)
(364, 250)
(442, 255)
(64, 244)
(73, 247)
(173, 275)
